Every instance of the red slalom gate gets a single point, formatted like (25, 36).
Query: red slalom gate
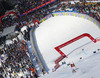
(35, 22)
(69, 42)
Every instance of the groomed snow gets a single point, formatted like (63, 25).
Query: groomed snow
(60, 29)
(88, 68)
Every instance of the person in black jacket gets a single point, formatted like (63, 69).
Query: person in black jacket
(35, 75)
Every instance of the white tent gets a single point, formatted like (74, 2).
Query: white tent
(8, 30)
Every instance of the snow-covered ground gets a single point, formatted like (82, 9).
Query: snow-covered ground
(58, 30)
(88, 67)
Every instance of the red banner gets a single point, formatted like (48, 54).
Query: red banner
(38, 7)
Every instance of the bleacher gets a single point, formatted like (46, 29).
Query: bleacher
(15, 51)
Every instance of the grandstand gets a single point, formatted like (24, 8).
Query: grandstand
(20, 56)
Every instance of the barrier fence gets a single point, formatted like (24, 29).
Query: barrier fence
(35, 50)
(84, 16)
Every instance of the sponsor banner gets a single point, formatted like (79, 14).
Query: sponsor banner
(60, 14)
(78, 15)
(65, 14)
(96, 24)
(75, 15)
(45, 18)
(87, 18)
(49, 16)
(55, 14)
(90, 19)
(72, 14)
(83, 17)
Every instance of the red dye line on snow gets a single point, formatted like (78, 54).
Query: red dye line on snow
(97, 40)
(69, 42)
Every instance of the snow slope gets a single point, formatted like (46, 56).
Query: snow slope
(60, 29)
(88, 68)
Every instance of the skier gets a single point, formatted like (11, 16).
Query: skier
(73, 67)
(35, 75)
(43, 71)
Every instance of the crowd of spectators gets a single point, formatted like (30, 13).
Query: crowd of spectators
(92, 10)
(25, 5)
(15, 61)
